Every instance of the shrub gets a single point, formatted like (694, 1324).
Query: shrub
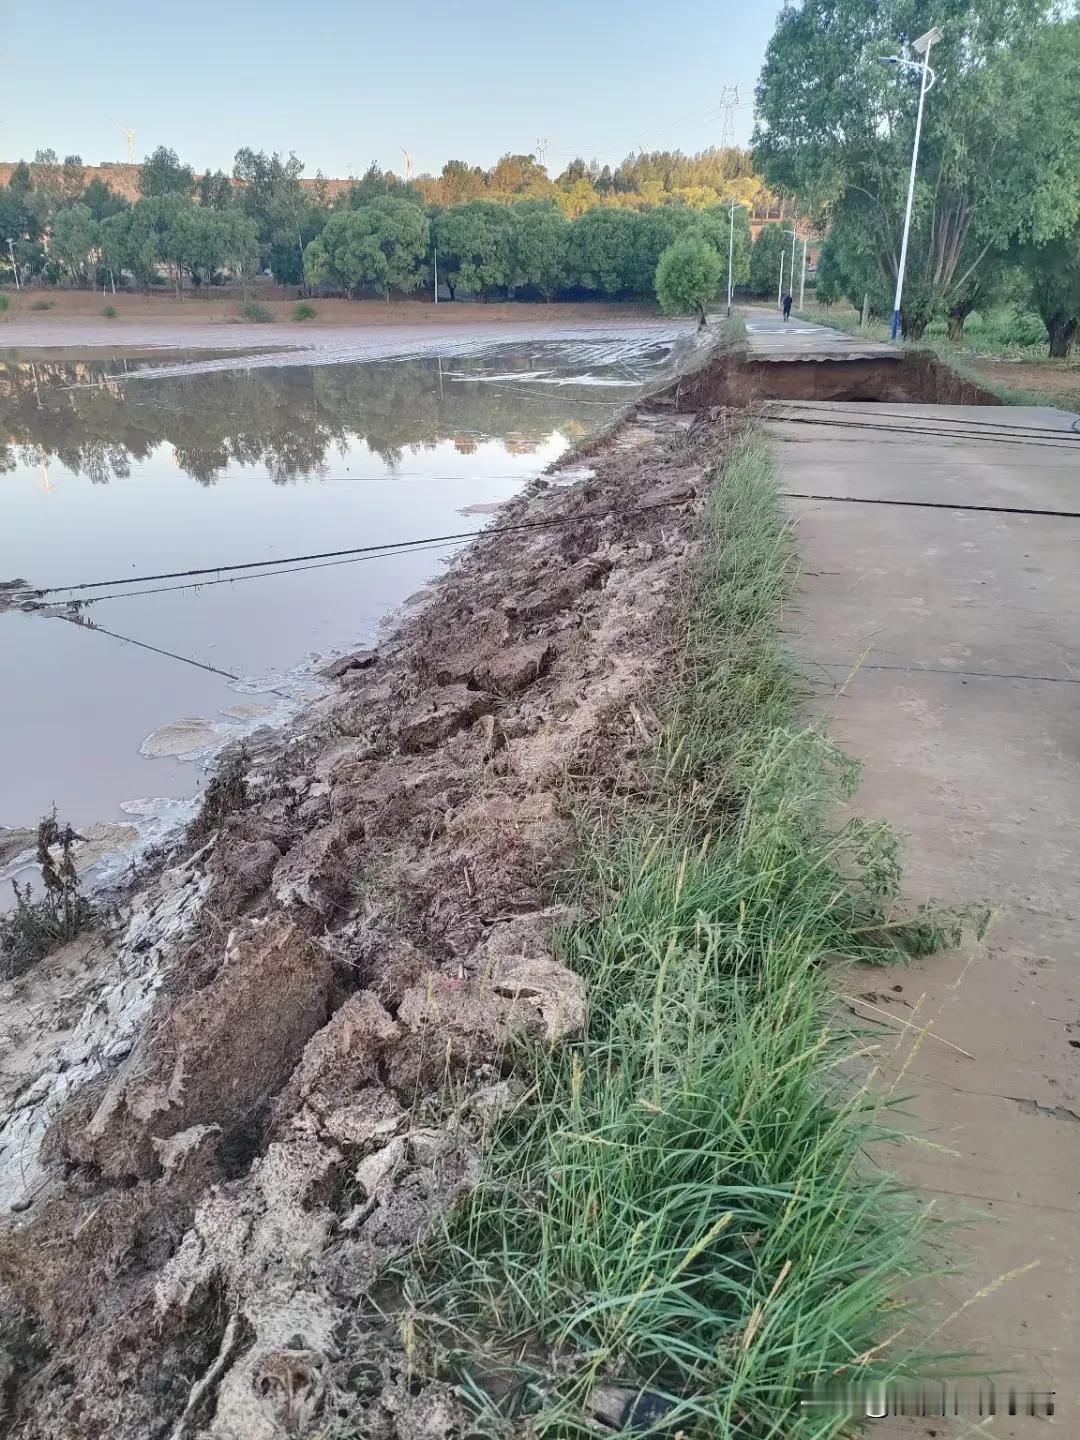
(303, 311)
(4, 303)
(35, 927)
(42, 305)
(252, 310)
(109, 311)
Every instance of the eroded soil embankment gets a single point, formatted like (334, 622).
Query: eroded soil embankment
(906, 377)
(331, 981)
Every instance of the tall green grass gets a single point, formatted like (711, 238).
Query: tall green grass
(681, 1207)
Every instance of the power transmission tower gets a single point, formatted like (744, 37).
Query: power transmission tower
(729, 102)
(408, 162)
(541, 152)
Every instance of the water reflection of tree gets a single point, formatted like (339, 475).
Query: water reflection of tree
(291, 420)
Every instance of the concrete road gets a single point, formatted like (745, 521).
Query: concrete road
(965, 711)
(771, 338)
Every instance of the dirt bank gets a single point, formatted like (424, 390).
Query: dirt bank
(284, 1058)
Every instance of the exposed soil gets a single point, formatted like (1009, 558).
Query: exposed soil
(300, 1030)
(906, 377)
(1059, 378)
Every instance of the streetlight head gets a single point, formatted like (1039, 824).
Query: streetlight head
(923, 43)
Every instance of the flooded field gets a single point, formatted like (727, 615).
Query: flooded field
(113, 470)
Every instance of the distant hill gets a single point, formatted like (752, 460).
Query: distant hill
(124, 178)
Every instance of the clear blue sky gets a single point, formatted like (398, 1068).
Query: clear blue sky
(346, 82)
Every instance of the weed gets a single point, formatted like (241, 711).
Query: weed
(226, 793)
(42, 305)
(34, 927)
(303, 311)
(109, 312)
(682, 1210)
(252, 310)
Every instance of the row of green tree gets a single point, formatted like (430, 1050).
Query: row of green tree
(997, 198)
(484, 248)
(376, 238)
(508, 227)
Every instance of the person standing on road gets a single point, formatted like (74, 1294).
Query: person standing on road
(787, 307)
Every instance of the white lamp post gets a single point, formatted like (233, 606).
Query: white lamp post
(921, 46)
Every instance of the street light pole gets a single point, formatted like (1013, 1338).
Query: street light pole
(802, 277)
(731, 259)
(922, 47)
(436, 274)
(780, 292)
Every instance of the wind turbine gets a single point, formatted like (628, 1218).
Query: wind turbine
(131, 142)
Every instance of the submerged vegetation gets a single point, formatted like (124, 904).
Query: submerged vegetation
(677, 1219)
(37, 926)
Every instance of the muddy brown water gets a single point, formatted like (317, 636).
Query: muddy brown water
(113, 468)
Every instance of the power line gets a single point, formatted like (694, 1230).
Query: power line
(400, 546)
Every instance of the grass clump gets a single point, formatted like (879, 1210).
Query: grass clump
(42, 305)
(109, 312)
(35, 927)
(303, 311)
(258, 314)
(4, 304)
(679, 1211)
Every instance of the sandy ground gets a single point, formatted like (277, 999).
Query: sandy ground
(961, 628)
(147, 323)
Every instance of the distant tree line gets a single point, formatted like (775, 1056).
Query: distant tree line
(997, 199)
(510, 231)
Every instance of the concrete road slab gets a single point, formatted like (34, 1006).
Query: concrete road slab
(966, 716)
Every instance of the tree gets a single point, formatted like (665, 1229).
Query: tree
(1053, 272)
(519, 175)
(836, 128)
(540, 246)
(162, 174)
(656, 230)
(381, 246)
(375, 184)
(102, 200)
(20, 223)
(688, 276)
(214, 190)
(773, 242)
(602, 250)
(268, 188)
(715, 226)
(75, 236)
(476, 247)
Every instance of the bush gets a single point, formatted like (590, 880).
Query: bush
(252, 310)
(42, 305)
(4, 303)
(35, 927)
(109, 311)
(303, 311)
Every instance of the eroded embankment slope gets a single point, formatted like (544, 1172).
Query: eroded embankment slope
(307, 1015)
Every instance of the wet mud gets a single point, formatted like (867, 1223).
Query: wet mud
(280, 1064)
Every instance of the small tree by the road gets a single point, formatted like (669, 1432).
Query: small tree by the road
(688, 276)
